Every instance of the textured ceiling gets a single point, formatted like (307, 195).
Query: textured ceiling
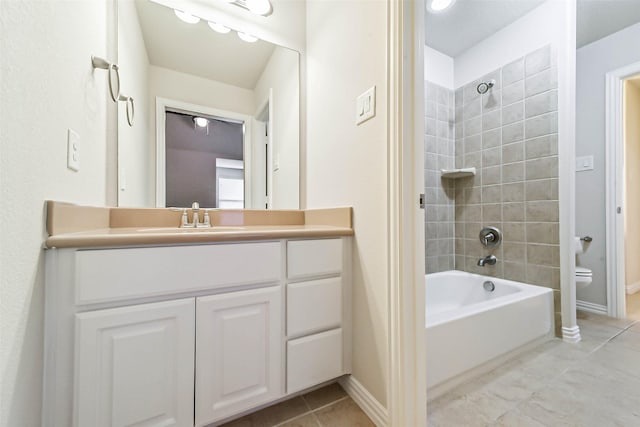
(197, 49)
(470, 21)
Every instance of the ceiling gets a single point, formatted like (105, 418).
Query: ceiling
(470, 21)
(197, 49)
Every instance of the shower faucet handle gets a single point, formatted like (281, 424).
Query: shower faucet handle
(490, 237)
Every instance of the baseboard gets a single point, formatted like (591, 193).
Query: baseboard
(365, 401)
(571, 335)
(591, 307)
(633, 288)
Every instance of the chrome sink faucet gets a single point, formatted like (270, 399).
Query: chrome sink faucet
(490, 260)
(195, 208)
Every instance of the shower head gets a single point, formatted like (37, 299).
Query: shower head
(484, 87)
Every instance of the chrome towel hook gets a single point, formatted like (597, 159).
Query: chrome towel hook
(103, 64)
(130, 107)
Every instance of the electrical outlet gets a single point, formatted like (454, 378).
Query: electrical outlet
(73, 150)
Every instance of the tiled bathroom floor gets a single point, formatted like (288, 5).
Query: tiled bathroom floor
(326, 407)
(592, 383)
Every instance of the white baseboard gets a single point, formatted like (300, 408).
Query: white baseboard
(633, 288)
(365, 401)
(591, 307)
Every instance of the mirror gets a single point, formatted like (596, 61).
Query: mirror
(215, 118)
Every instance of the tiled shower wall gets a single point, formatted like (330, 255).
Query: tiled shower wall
(440, 194)
(510, 135)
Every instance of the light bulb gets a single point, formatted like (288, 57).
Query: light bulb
(247, 37)
(201, 121)
(218, 27)
(186, 17)
(440, 5)
(259, 7)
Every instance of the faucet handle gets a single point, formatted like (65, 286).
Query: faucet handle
(195, 206)
(206, 222)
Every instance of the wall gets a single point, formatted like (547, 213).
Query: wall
(593, 62)
(632, 182)
(439, 193)
(47, 86)
(136, 167)
(282, 75)
(347, 164)
(438, 68)
(510, 135)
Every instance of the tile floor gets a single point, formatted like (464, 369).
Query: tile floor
(633, 306)
(593, 383)
(326, 407)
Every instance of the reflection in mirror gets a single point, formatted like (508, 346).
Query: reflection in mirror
(217, 117)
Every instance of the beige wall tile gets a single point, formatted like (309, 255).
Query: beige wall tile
(513, 192)
(513, 172)
(543, 232)
(515, 252)
(514, 271)
(546, 189)
(513, 231)
(543, 254)
(542, 211)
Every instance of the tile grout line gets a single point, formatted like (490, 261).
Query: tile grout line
(310, 411)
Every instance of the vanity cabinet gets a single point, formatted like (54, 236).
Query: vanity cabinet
(133, 338)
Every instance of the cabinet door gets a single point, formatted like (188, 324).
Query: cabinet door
(238, 352)
(134, 365)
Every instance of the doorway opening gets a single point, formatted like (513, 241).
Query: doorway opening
(623, 198)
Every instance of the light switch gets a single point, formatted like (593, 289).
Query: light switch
(584, 163)
(73, 150)
(366, 105)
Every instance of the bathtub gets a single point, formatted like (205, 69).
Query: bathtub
(468, 328)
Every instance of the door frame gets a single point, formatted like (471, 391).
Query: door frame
(162, 104)
(615, 178)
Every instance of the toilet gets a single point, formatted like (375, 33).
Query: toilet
(584, 276)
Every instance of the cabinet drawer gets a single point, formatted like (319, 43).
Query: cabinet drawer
(314, 359)
(112, 274)
(313, 257)
(314, 305)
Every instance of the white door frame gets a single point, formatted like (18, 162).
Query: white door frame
(268, 103)
(162, 104)
(406, 394)
(614, 154)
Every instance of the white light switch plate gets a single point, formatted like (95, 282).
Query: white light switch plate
(73, 150)
(584, 163)
(366, 105)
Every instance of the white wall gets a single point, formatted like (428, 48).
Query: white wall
(542, 26)
(136, 167)
(282, 75)
(347, 164)
(438, 68)
(632, 183)
(593, 62)
(47, 86)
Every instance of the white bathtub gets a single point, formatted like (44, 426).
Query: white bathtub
(468, 327)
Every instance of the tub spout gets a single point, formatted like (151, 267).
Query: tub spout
(490, 260)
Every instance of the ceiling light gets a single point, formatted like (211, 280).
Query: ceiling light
(247, 37)
(259, 7)
(201, 121)
(439, 5)
(219, 27)
(186, 17)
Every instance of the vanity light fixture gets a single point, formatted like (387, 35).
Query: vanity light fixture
(247, 37)
(436, 6)
(219, 28)
(258, 7)
(186, 17)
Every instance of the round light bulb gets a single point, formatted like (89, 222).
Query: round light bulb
(440, 5)
(219, 28)
(259, 7)
(186, 17)
(247, 37)
(201, 121)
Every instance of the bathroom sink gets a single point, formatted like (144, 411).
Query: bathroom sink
(190, 230)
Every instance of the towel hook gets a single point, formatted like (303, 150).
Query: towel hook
(103, 64)
(130, 108)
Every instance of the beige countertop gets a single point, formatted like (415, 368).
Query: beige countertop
(72, 226)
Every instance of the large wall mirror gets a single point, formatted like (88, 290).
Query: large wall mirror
(215, 117)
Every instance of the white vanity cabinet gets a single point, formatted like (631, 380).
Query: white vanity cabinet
(191, 335)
